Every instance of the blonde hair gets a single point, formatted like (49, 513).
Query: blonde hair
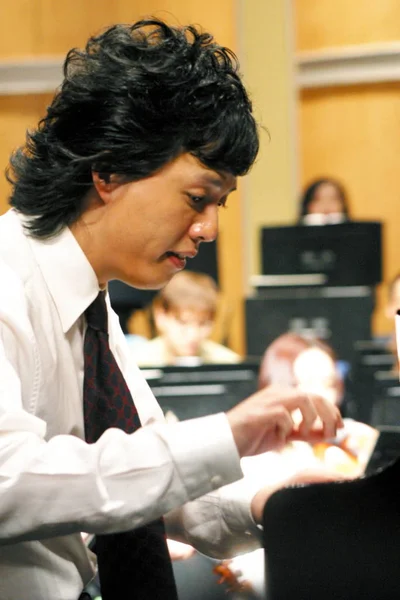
(188, 290)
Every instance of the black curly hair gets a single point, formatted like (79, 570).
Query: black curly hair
(134, 99)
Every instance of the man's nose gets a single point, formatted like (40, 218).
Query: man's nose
(205, 227)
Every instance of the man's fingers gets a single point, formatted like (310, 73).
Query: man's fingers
(265, 420)
(329, 415)
(308, 412)
(283, 427)
(313, 437)
(315, 409)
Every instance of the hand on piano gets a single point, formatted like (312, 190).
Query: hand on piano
(276, 415)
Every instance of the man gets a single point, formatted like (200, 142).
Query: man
(122, 180)
(184, 313)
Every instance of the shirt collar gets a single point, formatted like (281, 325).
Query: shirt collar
(68, 274)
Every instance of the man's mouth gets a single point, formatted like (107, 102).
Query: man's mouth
(178, 260)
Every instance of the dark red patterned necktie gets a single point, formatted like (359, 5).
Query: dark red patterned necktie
(133, 564)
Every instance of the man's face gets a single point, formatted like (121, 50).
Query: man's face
(143, 231)
(184, 330)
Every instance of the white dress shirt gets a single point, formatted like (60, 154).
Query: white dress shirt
(52, 484)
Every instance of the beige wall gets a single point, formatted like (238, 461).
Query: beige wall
(17, 114)
(52, 27)
(326, 23)
(30, 28)
(265, 47)
(353, 132)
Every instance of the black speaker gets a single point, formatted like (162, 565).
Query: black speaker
(340, 316)
(345, 254)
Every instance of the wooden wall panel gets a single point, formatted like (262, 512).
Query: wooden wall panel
(324, 23)
(17, 114)
(60, 25)
(17, 27)
(353, 134)
(217, 17)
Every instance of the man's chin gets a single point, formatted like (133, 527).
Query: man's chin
(146, 285)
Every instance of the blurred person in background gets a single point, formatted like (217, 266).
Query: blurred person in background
(393, 297)
(392, 306)
(184, 313)
(310, 365)
(324, 202)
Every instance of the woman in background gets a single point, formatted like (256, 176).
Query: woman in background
(311, 366)
(324, 201)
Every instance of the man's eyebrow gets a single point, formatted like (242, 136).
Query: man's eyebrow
(216, 182)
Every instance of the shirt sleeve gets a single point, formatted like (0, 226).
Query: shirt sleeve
(219, 524)
(62, 485)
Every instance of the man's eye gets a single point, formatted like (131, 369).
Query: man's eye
(197, 199)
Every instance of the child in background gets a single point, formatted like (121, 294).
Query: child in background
(184, 314)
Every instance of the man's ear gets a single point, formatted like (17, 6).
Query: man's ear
(104, 185)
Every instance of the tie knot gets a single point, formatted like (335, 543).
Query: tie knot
(96, 313)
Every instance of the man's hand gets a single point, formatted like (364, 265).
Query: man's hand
(265, 420)
(303, 477)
